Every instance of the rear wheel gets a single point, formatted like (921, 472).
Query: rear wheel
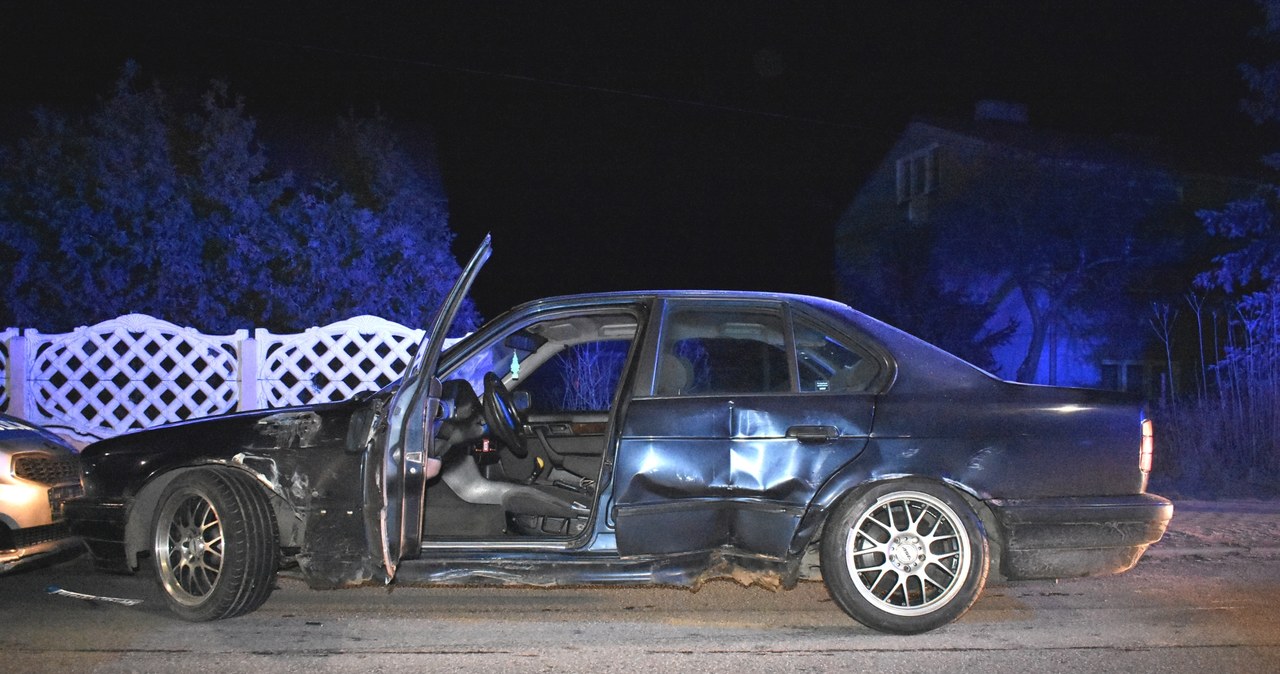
(215, 545)
(905, 556)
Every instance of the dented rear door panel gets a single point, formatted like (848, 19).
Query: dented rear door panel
(729, 471)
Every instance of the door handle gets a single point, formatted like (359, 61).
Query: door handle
(813, 433)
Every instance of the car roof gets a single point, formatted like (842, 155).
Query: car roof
(921, 365)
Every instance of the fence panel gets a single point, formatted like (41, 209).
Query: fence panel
(330, 363)
(136, 371)
(128, 373)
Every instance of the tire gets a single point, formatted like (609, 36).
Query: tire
(904, 557)
(215, 546)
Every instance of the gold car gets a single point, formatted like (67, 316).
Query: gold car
(38, 472)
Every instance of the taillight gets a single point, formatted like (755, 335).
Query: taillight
(1148, 446)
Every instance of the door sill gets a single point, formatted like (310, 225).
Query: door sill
(536, 544)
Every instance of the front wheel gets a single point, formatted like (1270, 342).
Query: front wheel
(215, 545)
(904, 557)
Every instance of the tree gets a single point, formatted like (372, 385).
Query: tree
(236, 203)
(1252, 265)
(895, 280)
(1229, 433)
(1061, 236)
(141, 208)
(401, 221)
(96, 214)
(368, 236)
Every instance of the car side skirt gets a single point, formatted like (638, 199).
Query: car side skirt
(1078, 536)
(542, 569)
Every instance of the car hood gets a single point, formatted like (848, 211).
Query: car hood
(18, 435)
(224, 435)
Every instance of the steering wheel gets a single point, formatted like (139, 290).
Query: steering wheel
(501, 416)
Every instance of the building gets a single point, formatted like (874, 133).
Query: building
(1033, 253)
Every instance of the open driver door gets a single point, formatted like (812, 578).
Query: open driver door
(408, 459)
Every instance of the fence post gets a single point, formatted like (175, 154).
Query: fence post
(16, 373)
(248, 369)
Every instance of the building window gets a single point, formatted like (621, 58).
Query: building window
(1146, 378)
(917, 174)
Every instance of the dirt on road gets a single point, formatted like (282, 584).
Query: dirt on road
(1201, 527)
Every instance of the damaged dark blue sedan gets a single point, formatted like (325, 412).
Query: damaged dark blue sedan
(644, 438)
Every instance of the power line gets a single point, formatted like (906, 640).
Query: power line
(561, 84)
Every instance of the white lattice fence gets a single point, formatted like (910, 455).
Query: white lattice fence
(137, 371)
(129, 373)
(333, 362)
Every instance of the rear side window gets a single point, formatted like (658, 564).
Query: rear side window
(830, 363)
(721, 350)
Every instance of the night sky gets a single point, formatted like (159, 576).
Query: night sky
(623, 145)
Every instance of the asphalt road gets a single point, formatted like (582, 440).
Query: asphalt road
(1187, 607)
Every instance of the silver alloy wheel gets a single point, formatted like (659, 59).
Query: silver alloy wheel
(908, 553)
(189, 547)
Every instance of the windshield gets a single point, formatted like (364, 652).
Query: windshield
(501, 358)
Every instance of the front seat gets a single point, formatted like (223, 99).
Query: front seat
(531, 509)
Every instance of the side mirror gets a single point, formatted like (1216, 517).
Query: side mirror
(522, 400)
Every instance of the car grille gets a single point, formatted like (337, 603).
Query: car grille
(25, 538)
(46, 469)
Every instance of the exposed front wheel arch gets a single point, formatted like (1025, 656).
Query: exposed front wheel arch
(904, 556)
(142, 508)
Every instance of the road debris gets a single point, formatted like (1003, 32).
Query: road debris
(54, 589)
